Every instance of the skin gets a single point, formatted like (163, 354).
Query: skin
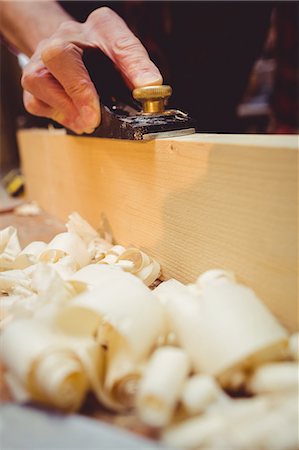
(55, 81)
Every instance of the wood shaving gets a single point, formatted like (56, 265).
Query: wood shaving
(28, 209)
(77, 315)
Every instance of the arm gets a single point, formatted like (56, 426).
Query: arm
(55, 81)
(24, 24)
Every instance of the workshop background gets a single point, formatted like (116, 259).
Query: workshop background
(269, 100)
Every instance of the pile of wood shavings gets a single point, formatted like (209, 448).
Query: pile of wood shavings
(77, 315)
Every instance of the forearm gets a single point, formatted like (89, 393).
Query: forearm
(24, 24)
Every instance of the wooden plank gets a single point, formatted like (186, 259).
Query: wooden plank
(194, 203)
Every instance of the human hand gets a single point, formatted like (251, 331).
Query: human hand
(56, 83)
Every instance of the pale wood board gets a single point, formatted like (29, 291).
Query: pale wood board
(194, 203)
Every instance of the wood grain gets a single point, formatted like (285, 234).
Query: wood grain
(194, 203)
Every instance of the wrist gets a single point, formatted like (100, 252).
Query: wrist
(42, 29)
(25, 24)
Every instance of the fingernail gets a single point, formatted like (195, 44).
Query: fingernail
(89, 116)
(148, 78)
(79, 127)
(76, 130)
(89, 131)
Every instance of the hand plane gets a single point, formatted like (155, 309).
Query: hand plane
(121, 117)
(151, 121)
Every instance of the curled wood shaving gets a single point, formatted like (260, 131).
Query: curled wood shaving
(222, 306)
(274, 377)
(240, 424)
(43, 364)
(10, 251)
(77, 315)
(199, 392)
(96, 246)
(9, 243)
(66, 244)
(134, 261)
(11, 279)
(161, 386)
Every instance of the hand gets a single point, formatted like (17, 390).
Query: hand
(56, 83)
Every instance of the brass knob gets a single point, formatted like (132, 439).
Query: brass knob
(152, 98)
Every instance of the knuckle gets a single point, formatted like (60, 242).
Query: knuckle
(31, 104)
(68, 27)
(55, 49)
(101, 14)
(79, 88)
(28, 79)
(58, 49)
(127, 45)
(137, 68)
(133, 65)
(52, 51)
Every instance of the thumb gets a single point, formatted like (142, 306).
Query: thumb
(107, 31)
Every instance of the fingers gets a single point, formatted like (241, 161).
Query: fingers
(56, 82)
(44, 96)
(106, 30)
(56, 76)
(37, 107)
(64, 61)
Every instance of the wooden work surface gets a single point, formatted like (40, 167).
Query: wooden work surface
(44, 227)
(33, 228)
(194, 203)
